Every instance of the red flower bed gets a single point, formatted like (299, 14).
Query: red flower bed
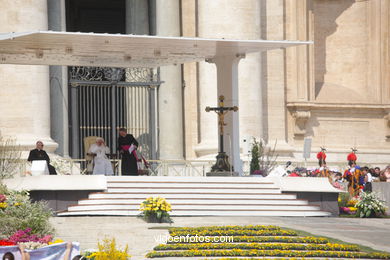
(6, 243)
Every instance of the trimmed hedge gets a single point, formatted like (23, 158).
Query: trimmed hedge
(280, 246)
(269, 253)
(238, 232)
(265, 239)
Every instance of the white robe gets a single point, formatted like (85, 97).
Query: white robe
(101, 163)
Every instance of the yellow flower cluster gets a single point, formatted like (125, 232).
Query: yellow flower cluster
(352, 202)
(108, 251)
(57, 241)
(257, 246)
(3, 205)
(155, 204)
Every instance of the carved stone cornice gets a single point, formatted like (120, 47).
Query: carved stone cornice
(301, 118)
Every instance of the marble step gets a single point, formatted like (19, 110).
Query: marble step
(206, 201)
(181, 185)
(204, 207)
(190, 195)
(214, 190)
(188, 179)
(282, 213)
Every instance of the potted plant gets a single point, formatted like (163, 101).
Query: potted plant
(155, 210)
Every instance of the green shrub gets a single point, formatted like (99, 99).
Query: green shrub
(369, 205)
(19, 213)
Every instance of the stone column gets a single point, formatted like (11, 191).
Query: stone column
(241, 20)
(227, 81)
(59, 105)
(25, 93)
(170, 92)
(137, 17)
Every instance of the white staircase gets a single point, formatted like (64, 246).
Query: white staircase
(194, 196)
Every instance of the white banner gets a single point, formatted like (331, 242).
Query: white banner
(51, 252)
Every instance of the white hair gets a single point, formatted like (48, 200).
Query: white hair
(99, 139)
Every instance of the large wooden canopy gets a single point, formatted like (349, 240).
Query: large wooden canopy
(118, 50)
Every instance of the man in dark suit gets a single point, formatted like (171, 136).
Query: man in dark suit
(129, 160)
(38, 154)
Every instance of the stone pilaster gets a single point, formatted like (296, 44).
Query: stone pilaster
(274, 79)
(241, 20)
(170, 93)
(59, 104)
(25, 93)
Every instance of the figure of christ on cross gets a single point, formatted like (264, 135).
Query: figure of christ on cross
(222, 164)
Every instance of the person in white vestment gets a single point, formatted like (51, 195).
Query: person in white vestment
(100, 161)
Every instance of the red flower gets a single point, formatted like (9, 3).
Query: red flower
(321, 156)
(2, 198)
(351, 157)
(6, 243)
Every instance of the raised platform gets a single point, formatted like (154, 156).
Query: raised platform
(189, 196)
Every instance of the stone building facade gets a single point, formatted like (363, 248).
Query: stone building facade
(335, 92)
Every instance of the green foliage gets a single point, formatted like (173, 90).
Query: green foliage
(263, 158)
(20, 213)
(343, 199)
(369, 205)
(255, 164)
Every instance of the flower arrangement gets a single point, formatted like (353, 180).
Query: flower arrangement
(155, 210)
(250, 245)
(369, 205)
(32, 245)
(57, 241)
(238, 232)
(258, 246)
(272, 253)
(268, 239)
(209, 228)
(26, 236)
(63, 166)
(4, 242)
(19, 216)
(107, 250)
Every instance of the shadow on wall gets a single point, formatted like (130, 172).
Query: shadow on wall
(334, 9)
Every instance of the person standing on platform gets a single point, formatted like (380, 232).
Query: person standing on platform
(101, 163)
(352, 175)
(38, 154)
(127, 146)
(322, 170)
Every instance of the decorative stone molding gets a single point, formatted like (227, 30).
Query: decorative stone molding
(387, 120)
(301, 117)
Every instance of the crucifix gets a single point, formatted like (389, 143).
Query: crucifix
(222, 164)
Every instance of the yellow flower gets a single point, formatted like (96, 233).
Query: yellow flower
(3, 205)
(57, 241)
